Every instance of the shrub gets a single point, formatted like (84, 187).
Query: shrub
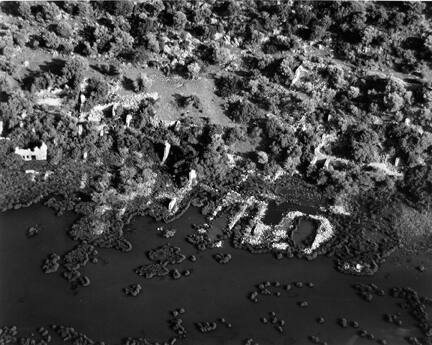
(407, 143)
(49, 40)
(225, 8)
(20, 38)
(179, 20)
(228, 85)
(96, 90)
(74, 72)
(142, 83)
(119, 8)
(24, 10)
(123, 41)
(417, 184)
(362, 144)
(63, 29)
(242, 111)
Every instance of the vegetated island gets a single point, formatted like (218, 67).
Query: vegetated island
(119, 109)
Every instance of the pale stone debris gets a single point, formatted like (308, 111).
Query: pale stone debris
(260, 232)
(99, 227)
(230, 198)
(339, 209)
(231, 160)
(280, 246)
(354, 267)
(83, 181)
(254, 235)
(49, 97)
(218, 244)
(47, 174)
(298, 74)
(32, 173)
(385, 167)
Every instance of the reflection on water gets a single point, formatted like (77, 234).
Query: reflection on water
(29, 298)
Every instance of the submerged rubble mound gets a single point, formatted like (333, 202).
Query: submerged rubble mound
(51, 264)
(166, 254)
(152, 270)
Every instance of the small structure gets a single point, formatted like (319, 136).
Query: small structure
(167, 148)
(128, 120)
(37, 153)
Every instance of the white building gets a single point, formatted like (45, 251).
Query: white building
(37, 153)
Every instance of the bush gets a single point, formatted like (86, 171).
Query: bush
(24, 10)
(417, 185)
(96, 90)
(142, 83)
(228, 85)
(119, 8)
(63, 29)
(179, 20)
(109, 69)
(48, 40)
(66, 47)
(123, 41)
(74, 72)
(225, 9)
(41, 81)
(44, 11)
(407, 143)
(20, 38)
(362, 144)
(242, 111)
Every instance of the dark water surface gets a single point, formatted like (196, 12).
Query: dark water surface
(29, 298)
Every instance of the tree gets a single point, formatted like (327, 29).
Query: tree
(228, 84)
(74, 72)
(96, 90)
(63, 29)
(407, 143)
(362, 144)
(242, 111)
(23, 9)
(119, 8)
(49, 40)
(179, 20)
(417, 185)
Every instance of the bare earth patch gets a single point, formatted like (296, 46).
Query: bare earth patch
(414, 227)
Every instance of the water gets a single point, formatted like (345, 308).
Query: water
(29, 298)
(304, 233)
